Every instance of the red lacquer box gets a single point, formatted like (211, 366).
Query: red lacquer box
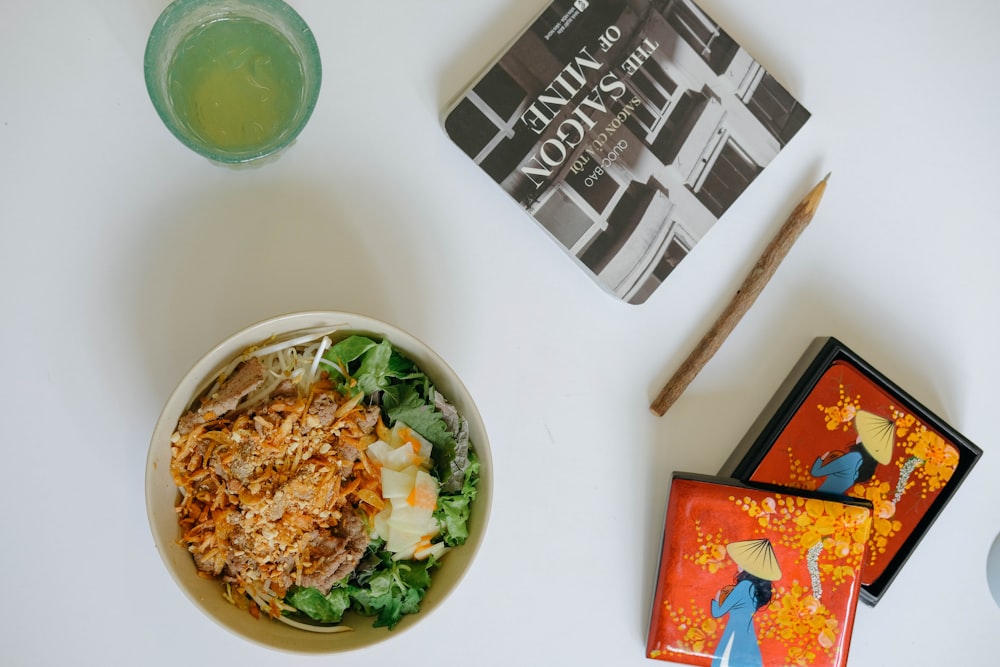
(756, 576)
(840, 427)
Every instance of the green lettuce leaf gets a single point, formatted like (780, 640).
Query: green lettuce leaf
(328, 608)
(405, 403)
(393, 590)
(453, 509)
(406, 393)
(373, 373)
(348, 350)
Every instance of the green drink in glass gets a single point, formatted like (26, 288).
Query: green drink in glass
(234, 80)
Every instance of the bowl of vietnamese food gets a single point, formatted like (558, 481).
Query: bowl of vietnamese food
(319, 482)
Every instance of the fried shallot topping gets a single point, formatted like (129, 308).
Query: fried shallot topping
(278, 495)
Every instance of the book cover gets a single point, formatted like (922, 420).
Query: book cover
(625, 128)
(841, 427)
(756, 576)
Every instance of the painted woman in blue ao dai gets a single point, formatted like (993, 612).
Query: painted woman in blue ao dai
(739, 646)
(874, 445)
(843, 470)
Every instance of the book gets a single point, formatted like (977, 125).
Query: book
(625, 129)
(754, 575)
(839, 426)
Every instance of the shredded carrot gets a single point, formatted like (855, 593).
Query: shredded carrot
(350, 488)
(372, 498)
(260, 490)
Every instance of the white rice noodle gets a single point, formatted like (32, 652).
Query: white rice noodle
(324, 345)
(307, 336)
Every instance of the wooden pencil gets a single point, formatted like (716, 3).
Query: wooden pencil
(752, 286)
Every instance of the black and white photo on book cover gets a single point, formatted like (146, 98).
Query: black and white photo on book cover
(625, 128)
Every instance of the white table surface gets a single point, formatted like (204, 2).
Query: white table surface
(125, 256)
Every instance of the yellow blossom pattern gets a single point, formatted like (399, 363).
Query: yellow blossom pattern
(936, 458)
(924, 460)
(801, 523)
(878, 492)
(799, 475)
(803, 623)
(884, 526)
(699, 632)
(940, 458)
(842, 528)
(711, 553)
(841, 415)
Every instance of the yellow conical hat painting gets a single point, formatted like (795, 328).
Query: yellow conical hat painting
(756, 557)
(877, 435)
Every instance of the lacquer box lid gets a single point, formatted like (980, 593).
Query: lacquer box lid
(756, 576)
(840, 427)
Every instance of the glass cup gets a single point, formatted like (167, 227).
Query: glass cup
(234, 80)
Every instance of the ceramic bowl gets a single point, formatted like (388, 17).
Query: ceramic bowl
(162, 495)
